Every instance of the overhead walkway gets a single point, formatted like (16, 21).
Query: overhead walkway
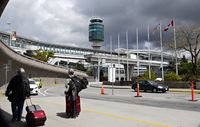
(123, 60)
(10, 61)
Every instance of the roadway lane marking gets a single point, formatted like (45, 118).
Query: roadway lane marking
(119, 117)
(128, 118)
(41, 93)
(46, 93)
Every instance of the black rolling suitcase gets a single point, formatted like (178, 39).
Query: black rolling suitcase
(35, 115)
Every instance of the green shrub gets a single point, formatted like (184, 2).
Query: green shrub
(171, 76)
(89, 72)
(145, 76)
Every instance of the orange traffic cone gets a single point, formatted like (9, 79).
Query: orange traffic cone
(102, 90)
(138, 90)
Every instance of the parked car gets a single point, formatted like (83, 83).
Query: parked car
(38, 82)
(148, 85)
(33, 87)
(158, 79)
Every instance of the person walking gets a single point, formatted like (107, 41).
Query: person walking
(17, 91)
(72, 93)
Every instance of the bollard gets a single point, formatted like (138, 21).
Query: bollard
(102, 90)
(138, 90)
(192, 90)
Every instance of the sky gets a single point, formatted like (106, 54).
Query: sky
(65, 22)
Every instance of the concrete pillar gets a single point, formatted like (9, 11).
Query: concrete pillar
(131, 68)
(125, 68)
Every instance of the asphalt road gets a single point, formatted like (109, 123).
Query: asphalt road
(119, 110)
(181, 101)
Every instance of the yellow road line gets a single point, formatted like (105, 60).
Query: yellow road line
(120, 117)
(128, 118)
(2, 94)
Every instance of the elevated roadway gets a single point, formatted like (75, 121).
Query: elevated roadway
(10, 61)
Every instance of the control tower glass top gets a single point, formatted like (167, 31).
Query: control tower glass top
(96, 30)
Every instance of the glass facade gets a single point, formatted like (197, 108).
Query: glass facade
(96, 30)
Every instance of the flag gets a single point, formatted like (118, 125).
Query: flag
(171, 24)
(156, 28)
(14, 36)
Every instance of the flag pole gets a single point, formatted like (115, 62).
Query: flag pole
(161, 51)
(138, 73)
(149, 52)
(175, 47)
(111, 64)
(127, 55)
(119, 57)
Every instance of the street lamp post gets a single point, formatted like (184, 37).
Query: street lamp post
(6, 67)
(9, 29)
(127, 56)
(111, 64)
(98, 76)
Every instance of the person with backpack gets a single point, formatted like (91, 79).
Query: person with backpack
(74, 86)
(17, 91)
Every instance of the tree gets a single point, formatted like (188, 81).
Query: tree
(171, 76)
(80, 66)
(184, 59)
(89, 72)
(188, 38)
(198, 67)
(146, 75)
(185, 69)
(43, 55)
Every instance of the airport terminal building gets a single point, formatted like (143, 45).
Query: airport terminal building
(128, 62)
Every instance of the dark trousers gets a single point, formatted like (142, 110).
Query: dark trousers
(17, 109)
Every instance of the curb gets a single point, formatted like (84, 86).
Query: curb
(184, 91)
(170, 90)
(109, 87)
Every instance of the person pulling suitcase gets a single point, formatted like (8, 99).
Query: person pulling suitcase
(17, 91)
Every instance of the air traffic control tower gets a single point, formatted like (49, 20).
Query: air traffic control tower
(96, 32)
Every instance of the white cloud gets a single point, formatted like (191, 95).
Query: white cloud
(66, 21)
(50, 21)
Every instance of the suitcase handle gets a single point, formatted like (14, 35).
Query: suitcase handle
(30, 101)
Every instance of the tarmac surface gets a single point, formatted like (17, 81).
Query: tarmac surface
(171, 109)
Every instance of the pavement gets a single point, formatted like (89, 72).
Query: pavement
(104, 112)
(107, 115)
(2, 92)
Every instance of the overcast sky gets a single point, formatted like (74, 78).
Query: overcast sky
(66, 22)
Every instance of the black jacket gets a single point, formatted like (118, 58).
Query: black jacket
(80, 83)
(75, 86)
(19, 87)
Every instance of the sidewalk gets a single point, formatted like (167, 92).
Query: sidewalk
(99, 85)
(2, 91)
